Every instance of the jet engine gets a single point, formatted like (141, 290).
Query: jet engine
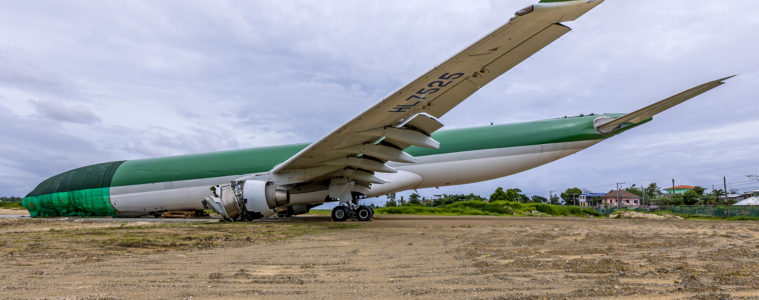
(247, 200)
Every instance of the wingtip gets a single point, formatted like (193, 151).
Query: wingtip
(728, 77)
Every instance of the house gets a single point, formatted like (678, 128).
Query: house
(749, 201)
(680, 189)
(626, 199)
(585, 198)
(735, 197)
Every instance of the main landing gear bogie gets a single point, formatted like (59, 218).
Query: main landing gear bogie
(362, 213)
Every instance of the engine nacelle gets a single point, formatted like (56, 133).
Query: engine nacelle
(246, 200)
(263, 196)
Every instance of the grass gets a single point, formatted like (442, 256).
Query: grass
(703, 217)
(495, 208)
(692, 216)
(11, 205)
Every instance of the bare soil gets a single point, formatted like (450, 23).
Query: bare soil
(7, 211)
(417, 257)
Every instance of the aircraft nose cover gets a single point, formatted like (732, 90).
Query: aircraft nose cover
(80, 192)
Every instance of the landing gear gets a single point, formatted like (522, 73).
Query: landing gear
(362, 213)
(340, 213)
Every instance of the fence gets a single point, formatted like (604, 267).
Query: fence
(719, 211)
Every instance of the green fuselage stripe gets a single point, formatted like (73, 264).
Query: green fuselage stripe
(205, 165)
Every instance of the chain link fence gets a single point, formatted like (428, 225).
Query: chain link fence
(720, 211)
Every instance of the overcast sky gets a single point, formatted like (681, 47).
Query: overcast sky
(83, 82)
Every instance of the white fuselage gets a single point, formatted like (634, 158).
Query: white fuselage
(429, 171)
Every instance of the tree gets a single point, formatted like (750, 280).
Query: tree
(414, 199)
(570, 195)
(676, 199)
(699, 190)
(652, 191)
(515, 195)
(555, 200)
(691, 197)
(635, 190)
(391, 200)
(539, 199)
(450, 199)
(717, 196)
(499, 194)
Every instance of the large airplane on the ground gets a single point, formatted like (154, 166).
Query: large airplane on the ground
(393, 146)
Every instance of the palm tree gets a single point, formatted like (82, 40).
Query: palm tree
(717, 195)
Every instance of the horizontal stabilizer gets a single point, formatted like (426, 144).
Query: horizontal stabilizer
(653, 109)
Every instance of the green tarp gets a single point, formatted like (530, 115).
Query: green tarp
(89, 202)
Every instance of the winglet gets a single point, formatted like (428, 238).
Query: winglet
(606, 125)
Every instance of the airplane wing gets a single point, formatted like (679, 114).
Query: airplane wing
(605, 126)
(363, 145)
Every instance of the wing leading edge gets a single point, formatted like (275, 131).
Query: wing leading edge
(362, 146)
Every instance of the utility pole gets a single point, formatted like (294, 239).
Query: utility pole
(642, 194)
(727, 208)
(724, 182)
(619, 203)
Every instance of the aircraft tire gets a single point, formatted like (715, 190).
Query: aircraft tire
(364, 213)
(339, 213)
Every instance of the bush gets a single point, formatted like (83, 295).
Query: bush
(494, 208)
(11, 205)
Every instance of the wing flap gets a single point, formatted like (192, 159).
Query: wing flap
(424, 123)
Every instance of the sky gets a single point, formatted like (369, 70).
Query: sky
(84, 82)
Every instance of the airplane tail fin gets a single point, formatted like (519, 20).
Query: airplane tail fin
(606, 125)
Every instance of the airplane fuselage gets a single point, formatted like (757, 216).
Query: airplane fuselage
(148, 186)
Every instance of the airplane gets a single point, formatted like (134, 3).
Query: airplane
(395, 145)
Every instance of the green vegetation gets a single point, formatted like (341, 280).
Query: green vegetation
(729, 213)
(570, 195)
(512, 202)
(11, 205)
(699, 216)
(494, 208)
(710, 218)
(509, 202)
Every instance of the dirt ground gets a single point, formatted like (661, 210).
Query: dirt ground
(417, 257)
(5, 211)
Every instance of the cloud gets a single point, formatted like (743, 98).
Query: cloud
(66, 113)
(125, 80)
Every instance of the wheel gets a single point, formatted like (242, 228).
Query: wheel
(363, 213)
(339, 213)
(372, 208)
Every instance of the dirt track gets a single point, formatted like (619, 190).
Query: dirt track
(401, 256)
